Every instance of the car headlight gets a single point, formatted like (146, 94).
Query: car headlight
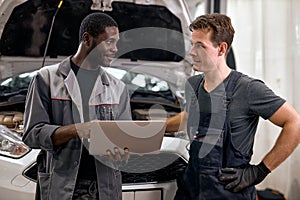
(11, 144)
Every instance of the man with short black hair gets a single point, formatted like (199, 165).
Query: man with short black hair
(60, 99)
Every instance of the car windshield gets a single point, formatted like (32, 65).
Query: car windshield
(136, 83)
(16, 84)
(139, 81)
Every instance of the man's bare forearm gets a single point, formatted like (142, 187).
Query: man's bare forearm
(284, 146)
(176, 122)
(64, 134)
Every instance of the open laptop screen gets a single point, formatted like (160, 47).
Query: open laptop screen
(139, 137)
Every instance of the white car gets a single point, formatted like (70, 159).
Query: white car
(151, 176)
(152, 62)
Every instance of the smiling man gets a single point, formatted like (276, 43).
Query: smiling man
(60, 99)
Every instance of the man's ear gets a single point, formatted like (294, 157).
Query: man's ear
(223, 48)
(86, 38)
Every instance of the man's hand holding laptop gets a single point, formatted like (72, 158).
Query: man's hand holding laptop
(84, 132)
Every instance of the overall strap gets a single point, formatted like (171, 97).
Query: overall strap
(197, 85)
(229, 92)
(232, 83)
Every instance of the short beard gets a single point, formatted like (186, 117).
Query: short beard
(93, 55)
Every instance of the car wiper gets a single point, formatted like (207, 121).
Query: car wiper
(21, 91)
(4, 89)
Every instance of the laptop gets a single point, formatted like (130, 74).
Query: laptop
(140, 137)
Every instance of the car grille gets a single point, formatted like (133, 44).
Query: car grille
(148, 168)
(151, 168)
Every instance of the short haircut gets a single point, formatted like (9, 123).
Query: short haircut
(95, 24)
(219, 24)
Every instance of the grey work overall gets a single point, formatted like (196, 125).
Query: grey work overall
(210, 150)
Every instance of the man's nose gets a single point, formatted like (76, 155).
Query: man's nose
(192, 51)
(114, 48)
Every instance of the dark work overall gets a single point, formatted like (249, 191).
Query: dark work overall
(210, 150)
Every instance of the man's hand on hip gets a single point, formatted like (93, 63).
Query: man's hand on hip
(239, 179)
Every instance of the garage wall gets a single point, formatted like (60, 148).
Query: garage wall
(267, 46)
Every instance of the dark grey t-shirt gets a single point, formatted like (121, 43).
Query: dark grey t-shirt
(251, 99)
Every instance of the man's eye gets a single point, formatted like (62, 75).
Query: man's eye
(109, 42)
(198, 46)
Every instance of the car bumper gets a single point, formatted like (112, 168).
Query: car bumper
(13, 185)
(160, 191)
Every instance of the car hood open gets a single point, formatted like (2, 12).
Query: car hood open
(150, 31)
